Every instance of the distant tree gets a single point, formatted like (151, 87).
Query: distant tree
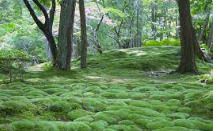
(187, 63)
(83, 34)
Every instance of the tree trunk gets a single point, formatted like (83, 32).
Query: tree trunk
(52, 46)
(154, 19)
(65, 34)
(45, 27)
(210, 38)
(83, 34)
(139, 26)
(187, 63)
(198, 52)
(203, 30)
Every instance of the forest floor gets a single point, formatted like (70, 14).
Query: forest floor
(121, 90)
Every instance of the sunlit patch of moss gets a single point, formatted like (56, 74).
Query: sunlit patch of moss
(77, 114)
(121, 127)
(14, 107)
(23, 125)
(78, 126)
(178, 115)
(159, 123)
(174, 128)
(99, 125)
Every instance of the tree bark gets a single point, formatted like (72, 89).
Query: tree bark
(83, 34)
(154, 19)
(45, 27)
(187, 63)
(65, 34)
(210, 38)
(204, 28)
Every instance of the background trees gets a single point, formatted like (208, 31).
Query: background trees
(109, 25)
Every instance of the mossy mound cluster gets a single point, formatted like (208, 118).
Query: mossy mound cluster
(120, 91)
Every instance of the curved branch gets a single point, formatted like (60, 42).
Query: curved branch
(43, 9)
(33, 14)
(52, 12)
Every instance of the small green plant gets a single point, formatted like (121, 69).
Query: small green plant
(12, 62)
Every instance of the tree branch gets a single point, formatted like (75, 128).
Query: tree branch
(42, 8)
(52, 12)
(33, 14)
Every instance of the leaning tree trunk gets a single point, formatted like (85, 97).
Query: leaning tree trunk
(198, 51)
(187, 63)
(65, 34)
(45, 27)
(83, 35)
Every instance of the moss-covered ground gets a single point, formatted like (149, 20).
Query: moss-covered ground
(121, 90)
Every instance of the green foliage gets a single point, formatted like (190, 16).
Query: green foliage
(165, 42)
(12, 62)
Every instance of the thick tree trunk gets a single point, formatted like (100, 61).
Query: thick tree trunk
(83, 34)
(187, 63)
(65, 34)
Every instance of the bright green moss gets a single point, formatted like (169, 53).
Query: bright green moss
(106, 117)
(59, 106)
(99, 125)
(121, 127)
(120, 90)
(175, 128)
(77, 114)
(14, 107)
(5, 127)
(23, 125)
(178, 115)
(185, 123)
(159, 123)
(78, 126)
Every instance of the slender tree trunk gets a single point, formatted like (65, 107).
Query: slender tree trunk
(187, 63)
(138, 23)
(52, 46)
(203, 30)
(65, 34)
(95, 35)
(177, 27)
(210, 38)
(154, 19)
(198, 51)
(83, 34)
